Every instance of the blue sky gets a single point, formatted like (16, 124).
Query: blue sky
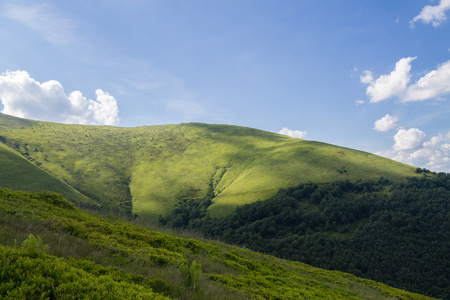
(369, 75)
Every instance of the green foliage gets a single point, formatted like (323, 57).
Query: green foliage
(33, 246)
(46, 277)
(123, 261)
(425, 171)
(192, 274)
(148, 170)
(397, 233)
(55, 199)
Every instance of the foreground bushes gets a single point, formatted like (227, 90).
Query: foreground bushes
(123, 261)
(27, 276)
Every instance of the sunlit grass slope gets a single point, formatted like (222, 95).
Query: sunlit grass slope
(78, 256)
(147, 170)
(19, 174)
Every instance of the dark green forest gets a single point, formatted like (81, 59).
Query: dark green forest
(396, 233)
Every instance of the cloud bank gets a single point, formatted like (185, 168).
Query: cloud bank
(292, 133)
(433, 85)
(24, 97)
(411, 148)
(433, 14)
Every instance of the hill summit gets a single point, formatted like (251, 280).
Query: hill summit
(148, 170)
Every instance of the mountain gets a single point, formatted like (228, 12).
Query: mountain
(329, 206)
(148, 170)
(51, 250)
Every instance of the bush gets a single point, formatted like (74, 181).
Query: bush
(192, 273)
(33, 246)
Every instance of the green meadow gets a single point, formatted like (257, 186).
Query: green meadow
(148, 170)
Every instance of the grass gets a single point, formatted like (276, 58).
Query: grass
(148, 170)
(118, 254)
(19, 174)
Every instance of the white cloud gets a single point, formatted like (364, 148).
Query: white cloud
(292, 133)
(366, 77)
(386, 123)
(434, 154)
(433, 85)
(24, 97)
(44, 20)
(359, 102)
(435, 140)
(433, 14)
(387, 86)
(408, 139)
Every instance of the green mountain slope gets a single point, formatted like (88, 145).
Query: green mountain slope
(148, 170)
(19, 174)
(49, 249)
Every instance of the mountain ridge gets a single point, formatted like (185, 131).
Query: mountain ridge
(328, 203)
(146, 170)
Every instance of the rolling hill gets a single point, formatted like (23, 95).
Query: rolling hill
(148, 170)
(330, 206)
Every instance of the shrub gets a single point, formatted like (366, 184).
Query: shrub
(33, 246)
(192, 273)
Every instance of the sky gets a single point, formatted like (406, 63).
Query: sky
(372, 75)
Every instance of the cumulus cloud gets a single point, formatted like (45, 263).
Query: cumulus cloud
(433, 154)
(387, 86)
(386, 123)
(24, 97)
(408, 139)
(435, 140)
(292, 133)
(433, 85)
(433, 14)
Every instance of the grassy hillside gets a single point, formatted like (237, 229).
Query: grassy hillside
(148, 170)
(19, 174)
(50, 249)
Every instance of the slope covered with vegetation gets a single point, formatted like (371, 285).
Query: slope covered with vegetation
(396, 233)
(20, 174)
(148, 170)
(50, 249)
